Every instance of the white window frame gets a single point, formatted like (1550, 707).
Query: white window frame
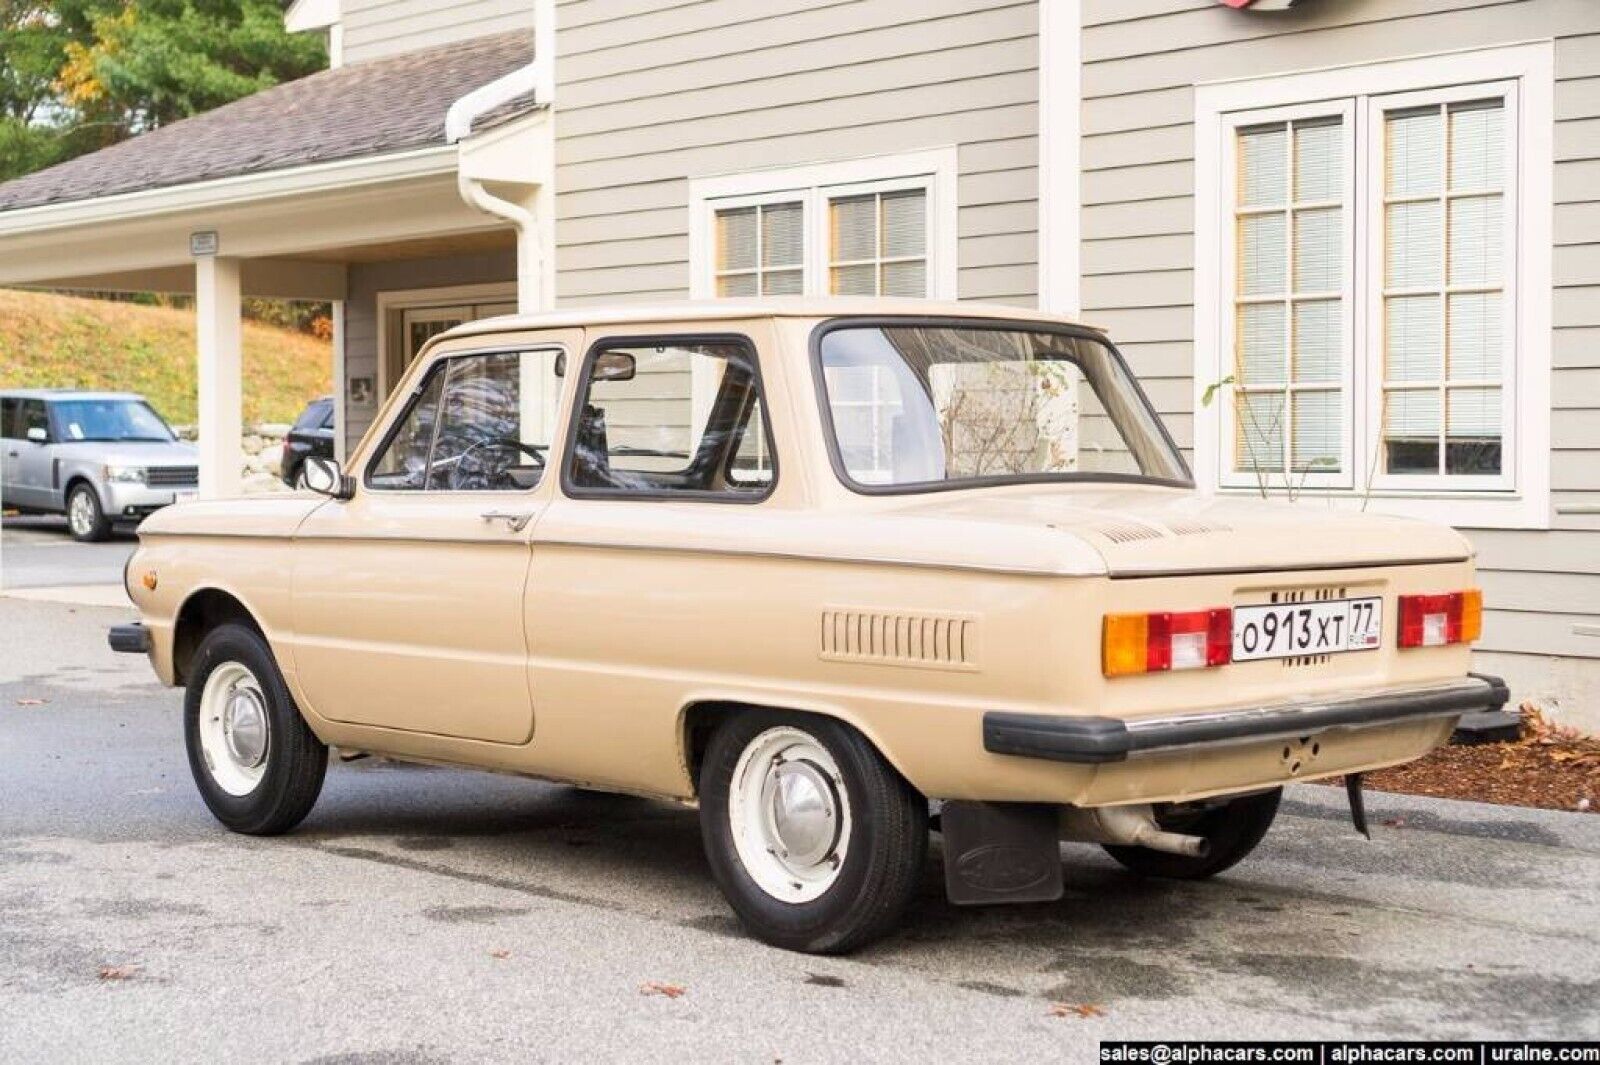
(1511, 423)
(1343, 477)
(1520, 498)
(932, 171)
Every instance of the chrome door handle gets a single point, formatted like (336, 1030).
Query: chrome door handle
(514, 522)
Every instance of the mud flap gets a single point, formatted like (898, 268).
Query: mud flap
(1358, 803)
(996, 852)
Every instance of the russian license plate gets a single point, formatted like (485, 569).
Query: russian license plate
(1289, 630)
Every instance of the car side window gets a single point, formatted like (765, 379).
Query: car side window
(478, 423)
(34, 416)
(9, 427)
(675, 417)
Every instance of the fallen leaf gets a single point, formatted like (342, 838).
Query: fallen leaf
(502, 955)
(118, 972)
(33, 702)
(656, 987)
(1076, 1009)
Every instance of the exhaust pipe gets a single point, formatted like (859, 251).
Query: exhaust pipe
(1128, 826)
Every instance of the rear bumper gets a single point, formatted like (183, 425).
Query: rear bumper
(1096, 740)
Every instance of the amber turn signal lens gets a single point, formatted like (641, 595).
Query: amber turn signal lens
(1471, 615)
(150, 580)
(1125, 646)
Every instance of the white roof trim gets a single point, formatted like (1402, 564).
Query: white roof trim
(305, 15)
(229, 191)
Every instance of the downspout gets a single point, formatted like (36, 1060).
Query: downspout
(537, 78)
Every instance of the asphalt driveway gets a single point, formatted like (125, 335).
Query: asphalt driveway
(38, 552)
(436, 915)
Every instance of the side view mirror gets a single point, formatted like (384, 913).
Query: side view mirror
(38, 435)
(608, 366)
(324, 477)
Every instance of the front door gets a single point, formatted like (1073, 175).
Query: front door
(408, 598)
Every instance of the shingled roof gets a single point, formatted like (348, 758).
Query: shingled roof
(373, 108)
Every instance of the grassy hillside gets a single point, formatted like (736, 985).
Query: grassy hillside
(65, 342)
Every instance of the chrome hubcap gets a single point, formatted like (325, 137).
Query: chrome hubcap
(804, 808)
(244, 726)
(235, 728)
(790, 814)
(82, 513)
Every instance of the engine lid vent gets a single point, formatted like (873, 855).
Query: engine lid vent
(927, 641)
(1125, 532)
(1196, 527)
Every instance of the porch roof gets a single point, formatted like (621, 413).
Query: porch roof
(368, 109)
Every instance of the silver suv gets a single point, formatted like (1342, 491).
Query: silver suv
(97, 457)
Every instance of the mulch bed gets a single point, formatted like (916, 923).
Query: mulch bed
(1550, 767)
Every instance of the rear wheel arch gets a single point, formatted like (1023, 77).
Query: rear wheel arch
(698, 722)
(203, 611)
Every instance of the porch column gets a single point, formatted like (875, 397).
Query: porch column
(217, 293)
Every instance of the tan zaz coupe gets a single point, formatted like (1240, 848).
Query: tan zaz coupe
(840, 573)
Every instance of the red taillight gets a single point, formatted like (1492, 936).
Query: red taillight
(1152, 643)
(1437, 620)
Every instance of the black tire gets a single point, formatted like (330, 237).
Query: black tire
(98, 526)
(884, 861)
(1233, 829)
(296, 761)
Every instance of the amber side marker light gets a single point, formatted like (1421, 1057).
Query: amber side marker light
(1155, 643)
(1438, 620)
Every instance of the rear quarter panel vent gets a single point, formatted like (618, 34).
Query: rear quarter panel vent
(925, 641)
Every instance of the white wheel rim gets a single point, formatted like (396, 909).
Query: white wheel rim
(790, 815)
(235, 729)
(81, 513)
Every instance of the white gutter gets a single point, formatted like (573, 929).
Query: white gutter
(537, 78)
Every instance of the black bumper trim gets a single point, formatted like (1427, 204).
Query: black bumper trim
(1096, 740)
(131, 639)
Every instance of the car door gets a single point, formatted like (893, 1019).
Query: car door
(667, 452)
(35, 484)
(408, 597)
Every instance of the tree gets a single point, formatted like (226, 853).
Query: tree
(32, 50)
(77, 75)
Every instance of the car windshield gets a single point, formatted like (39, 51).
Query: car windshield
(119, 420)
(918, 407)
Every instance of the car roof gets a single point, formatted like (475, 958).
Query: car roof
(66, 393)
(689, 311)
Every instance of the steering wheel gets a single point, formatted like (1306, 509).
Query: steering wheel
(471, 472)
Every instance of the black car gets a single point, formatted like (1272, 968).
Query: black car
(312, 435)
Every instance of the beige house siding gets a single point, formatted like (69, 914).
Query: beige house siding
(374, 28)
(651, 95)
(1141, 61)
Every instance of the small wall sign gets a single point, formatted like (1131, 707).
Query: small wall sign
(204, 243)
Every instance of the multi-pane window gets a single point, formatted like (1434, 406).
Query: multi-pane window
(878, 244)
(1444, 288)
(1371, 292)
(1290, 370)
(761, 250)
(851, 239)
